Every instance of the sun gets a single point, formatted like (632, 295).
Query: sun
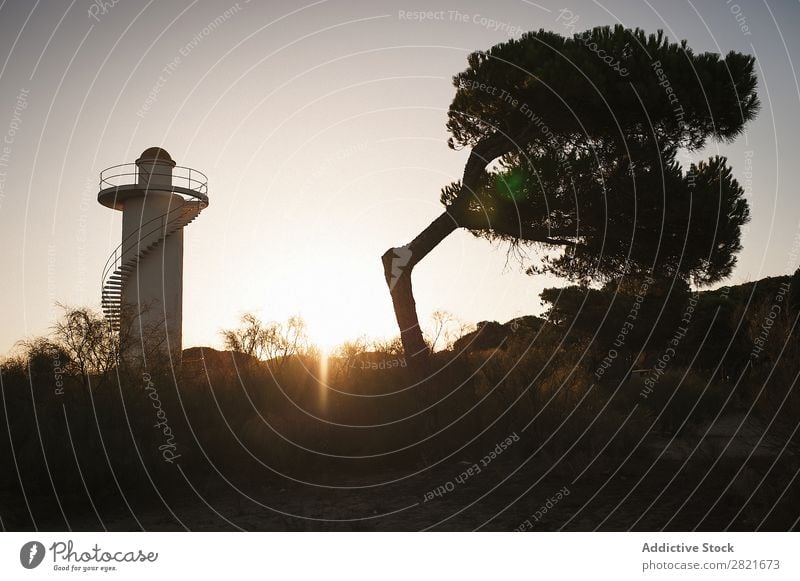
(328, 329)
(338, 311)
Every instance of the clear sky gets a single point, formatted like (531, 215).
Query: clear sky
(321, 126)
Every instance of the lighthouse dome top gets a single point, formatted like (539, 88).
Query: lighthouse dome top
(154, 171)
(156, 155)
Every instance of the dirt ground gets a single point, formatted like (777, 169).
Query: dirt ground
(720, 477)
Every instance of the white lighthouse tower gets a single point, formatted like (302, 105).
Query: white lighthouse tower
(142, 282)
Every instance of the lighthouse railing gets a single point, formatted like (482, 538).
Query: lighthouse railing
(128, 173)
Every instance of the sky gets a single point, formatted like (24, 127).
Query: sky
(321, 127)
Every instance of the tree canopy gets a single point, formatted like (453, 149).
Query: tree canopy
(592, 155)
(563, 84)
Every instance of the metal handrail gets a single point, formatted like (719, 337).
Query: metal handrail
(195, 180)
(116, 256)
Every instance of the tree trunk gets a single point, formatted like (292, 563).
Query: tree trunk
(398, 264)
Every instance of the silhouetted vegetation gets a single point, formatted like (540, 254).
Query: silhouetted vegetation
(84, 441)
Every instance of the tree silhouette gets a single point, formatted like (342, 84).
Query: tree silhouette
(272, 342)
(574, 147)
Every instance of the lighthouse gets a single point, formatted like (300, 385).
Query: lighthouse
(142, 281)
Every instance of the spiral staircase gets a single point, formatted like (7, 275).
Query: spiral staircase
(151, 235)
(117, 271)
